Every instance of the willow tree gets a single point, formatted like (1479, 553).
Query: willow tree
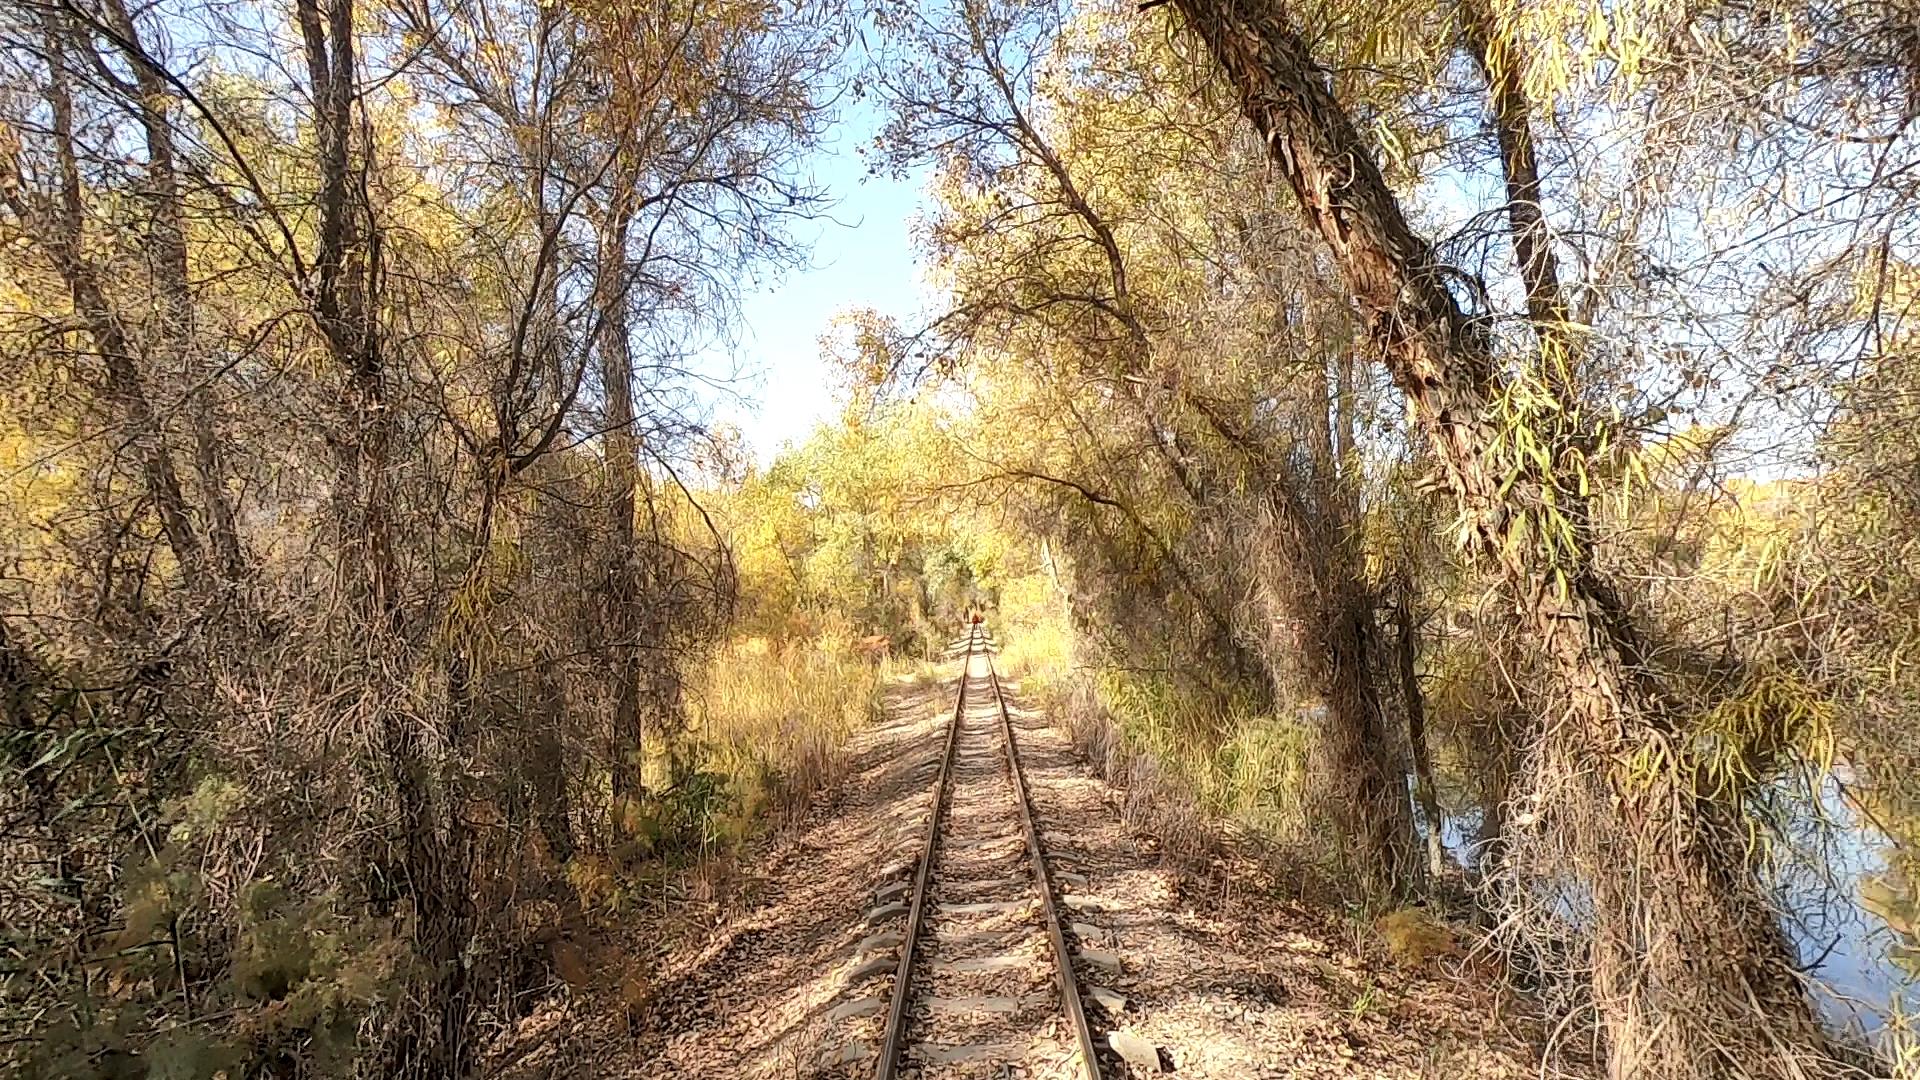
(1691, 973)
(332, 308)
(1075, 193)
(588, 112)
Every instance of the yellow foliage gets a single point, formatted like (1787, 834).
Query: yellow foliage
(594, 880)
(773, 718)
(1413, 937)
(1248, 768)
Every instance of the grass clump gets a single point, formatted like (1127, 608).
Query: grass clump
(1185, 755)
(1413, 937)
(1039, 652)
(1242, 765)
(769, 721)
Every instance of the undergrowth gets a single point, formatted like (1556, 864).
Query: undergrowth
(769, 722)
(1183, 758)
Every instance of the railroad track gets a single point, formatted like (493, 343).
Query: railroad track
(985, 986)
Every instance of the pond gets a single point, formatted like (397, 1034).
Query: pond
(1852, 909)
(1853, 926)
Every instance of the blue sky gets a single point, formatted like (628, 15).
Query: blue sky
(862, 256)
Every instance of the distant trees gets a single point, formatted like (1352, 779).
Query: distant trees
(854, 533)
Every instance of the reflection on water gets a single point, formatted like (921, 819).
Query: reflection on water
(1854, 925)
(1852, 897)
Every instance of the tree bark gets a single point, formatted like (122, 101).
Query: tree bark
(1364, 776)
(1406, 663)
(547, 769)
(1687, 957)
(168, 250)
(1344, 399)
(623, 479)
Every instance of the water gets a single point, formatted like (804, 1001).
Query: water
(1843, 872)
(1851, 950)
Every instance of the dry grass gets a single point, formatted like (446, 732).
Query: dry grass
(773, 718)
(1182, 761)
(1413, 937)
(1040, 653)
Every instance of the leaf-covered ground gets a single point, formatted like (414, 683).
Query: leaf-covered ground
(1226, 978)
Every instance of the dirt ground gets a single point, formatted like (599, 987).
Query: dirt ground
(766, 978)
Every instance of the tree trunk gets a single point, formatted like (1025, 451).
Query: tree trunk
(1344, 401)
(623, 479)
(552, 808)
(1406, 661)
(1499, 63)
(343, 282)
(1312, 579)
(1691, 974)
(343, 276)
(1359, 774)
(1498, 59)
(125, 385)
(1365, 781)
(168, 250)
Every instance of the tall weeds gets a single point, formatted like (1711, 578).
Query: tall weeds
(1183, 758)
(773, 720)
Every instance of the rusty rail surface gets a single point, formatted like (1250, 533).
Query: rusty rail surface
(1062, 957)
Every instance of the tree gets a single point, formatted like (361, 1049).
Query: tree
(1686, 952)
(334, 599)
(1062, 248)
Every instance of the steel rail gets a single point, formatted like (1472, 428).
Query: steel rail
(1062, 957)
(891, 1049)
